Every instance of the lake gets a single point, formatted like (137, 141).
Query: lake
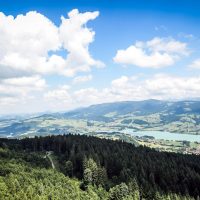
(164, 135)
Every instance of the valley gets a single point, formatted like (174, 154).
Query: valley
(165, 126)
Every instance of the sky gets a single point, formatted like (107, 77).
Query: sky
(64, 54)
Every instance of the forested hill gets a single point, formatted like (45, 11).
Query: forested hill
(110, 163)
(181, 117)
(103, 111)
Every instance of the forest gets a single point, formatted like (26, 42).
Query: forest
(92, 168)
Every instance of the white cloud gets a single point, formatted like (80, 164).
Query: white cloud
(61, 93)
(156, 53)
(23, 91)
(76, 38)
(88, 95)
(195, 64)
(82, 79)
(21, 86)
(32, 81)
(160, 86)
(25, 42)
(173, 87)
(29, 44)
(137, 56)
(120, 82)
(16, 91)
(168, 45)
(59, 98)
(32, 46)
(30, 34)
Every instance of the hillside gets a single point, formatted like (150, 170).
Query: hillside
(150, 115)
(22, 179)
(138, 108)
(105, 169)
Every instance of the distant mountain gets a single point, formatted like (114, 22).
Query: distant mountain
(139, 108)
(148, 115)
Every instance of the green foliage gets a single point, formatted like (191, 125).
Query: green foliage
(69, 168)
(107, 170)
(134, 190)
(40, 183)
(88, 176)
(119, 192)
(93, 174)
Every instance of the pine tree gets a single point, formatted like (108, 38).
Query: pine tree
(69, 168)
(87, 177)
(134, 189)
(119, 192)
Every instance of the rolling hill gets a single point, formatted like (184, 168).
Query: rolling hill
(149, 115)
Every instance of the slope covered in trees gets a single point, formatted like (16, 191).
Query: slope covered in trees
(92, 168)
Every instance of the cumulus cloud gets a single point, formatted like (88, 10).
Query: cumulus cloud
(76, 38)
(64, 97)
(61, 93)
(156, 53)
(29, 44)
(168, 45)
(19, 90)
(35, 82)
(33, 47)
(159, 86)
(195, 64)
(25, 42)
(173, 87)
(59, 98)
(82, 79)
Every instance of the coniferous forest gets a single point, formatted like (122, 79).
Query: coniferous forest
(82, 167)
(100, 100)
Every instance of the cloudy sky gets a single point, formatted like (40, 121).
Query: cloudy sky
(60, 55)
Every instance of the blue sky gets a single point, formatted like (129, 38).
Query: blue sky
(126, 50)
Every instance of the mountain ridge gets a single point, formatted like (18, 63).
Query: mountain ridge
(147, 115)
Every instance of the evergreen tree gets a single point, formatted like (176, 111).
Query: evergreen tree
(119, 192)
(69, 168)
(134, 189)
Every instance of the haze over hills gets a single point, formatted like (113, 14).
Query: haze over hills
(148, 115)
(136, 108)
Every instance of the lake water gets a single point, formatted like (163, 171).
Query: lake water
(164, 135)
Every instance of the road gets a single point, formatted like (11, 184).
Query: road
(49, 153)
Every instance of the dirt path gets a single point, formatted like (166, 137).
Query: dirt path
(49, 153)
